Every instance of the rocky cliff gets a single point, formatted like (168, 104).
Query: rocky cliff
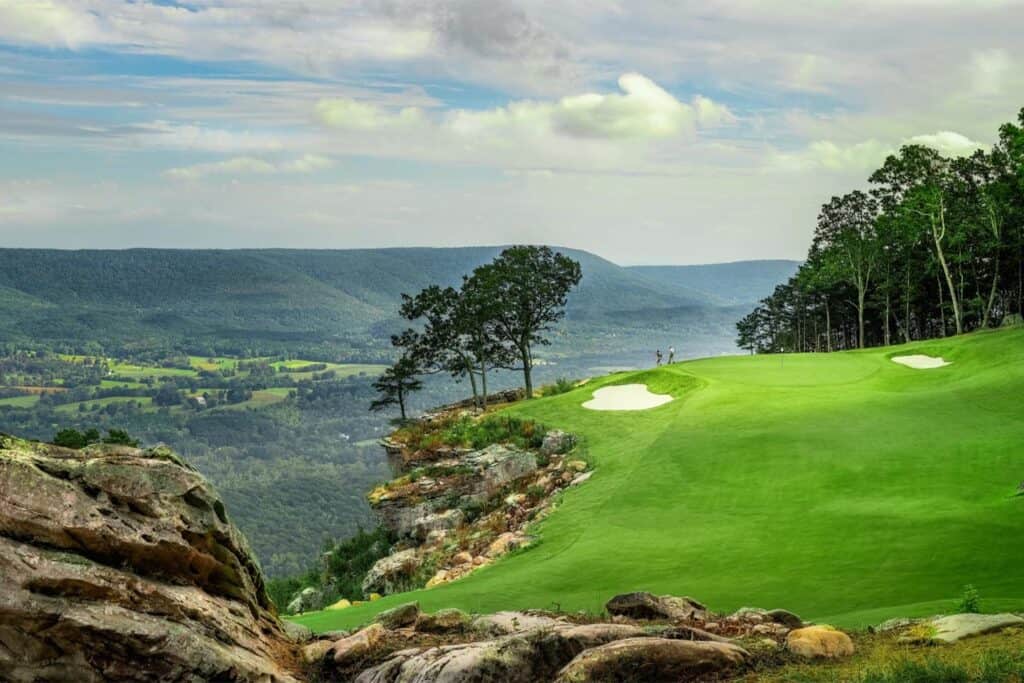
(120, 564)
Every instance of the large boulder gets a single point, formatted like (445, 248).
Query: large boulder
(358, 645)
(403, 615)
(120, 564)
(814, 642)
(652, 660)
(499, 465)
(955, 627)
(557, 442)
(442, 621)
(393, 573)
(524, 657)
(643, 605)
(306, 600)
(446, 521)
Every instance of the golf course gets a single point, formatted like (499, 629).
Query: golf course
(845, 487)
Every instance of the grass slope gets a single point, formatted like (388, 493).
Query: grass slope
(843, 486)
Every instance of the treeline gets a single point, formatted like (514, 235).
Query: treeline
(934, 247)
(502, 311)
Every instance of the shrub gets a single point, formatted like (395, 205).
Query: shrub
(562, 385)
(970, 601)
(350, 559)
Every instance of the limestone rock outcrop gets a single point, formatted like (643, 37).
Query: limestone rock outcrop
(120, 564)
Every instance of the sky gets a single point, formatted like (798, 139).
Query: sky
(647, 131)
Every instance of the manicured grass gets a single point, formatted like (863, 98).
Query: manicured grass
(141, 371)
(260, 399)
(842, 486)
(210, 364)
(20, 401)
(146, 401)
(340, 369)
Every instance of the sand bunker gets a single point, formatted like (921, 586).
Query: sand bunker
(626, 397)
(920, 362)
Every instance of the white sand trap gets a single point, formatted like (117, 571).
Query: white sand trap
(920, 361)
(626, 397)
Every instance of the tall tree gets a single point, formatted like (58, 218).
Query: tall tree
(846, 240)
(395, 385)
(915, 183)
(530, 286)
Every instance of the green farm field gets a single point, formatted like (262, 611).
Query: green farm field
(844, 487)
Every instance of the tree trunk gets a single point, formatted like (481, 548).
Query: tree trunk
(483, 382)
(828, 327)
(472, 382)
(942, 307)
(887, 332)
(991, 298)
(401, 403)
(937, 236)
(860, 317)
(906, 309)
(524, 352)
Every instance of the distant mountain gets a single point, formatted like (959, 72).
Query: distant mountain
(740, 282)
(345, 298)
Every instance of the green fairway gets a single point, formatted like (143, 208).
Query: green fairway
(841, 486)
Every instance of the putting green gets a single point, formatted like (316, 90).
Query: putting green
(842, 486)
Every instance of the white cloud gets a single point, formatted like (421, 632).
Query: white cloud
(948, 142)
(238, 166)
(46, 22)
(351, 114)
(643, 110)
(829, 155)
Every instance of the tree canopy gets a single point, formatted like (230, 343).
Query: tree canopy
(934, 247)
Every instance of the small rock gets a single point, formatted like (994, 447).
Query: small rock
(504, 543)
(580, 478)
(397, 617)
(643, 605)
(557, 442)
(576, 465)
(819, 641)
(514, 499)
(297, 632)
(652, 660)
(769, 629)
(442, 621)
(359, 645)
(462, 558)
(437, 579)
(316, 651)
(784, 617)
(479, 561)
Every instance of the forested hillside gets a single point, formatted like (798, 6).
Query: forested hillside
(339, 303)
(741, 282)
(934, 246)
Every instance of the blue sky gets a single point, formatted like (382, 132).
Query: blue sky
(646, 131)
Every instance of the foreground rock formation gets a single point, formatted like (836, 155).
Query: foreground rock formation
(647, 638)
(119, 564)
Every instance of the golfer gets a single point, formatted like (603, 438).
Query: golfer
(671, 355)
(657, 355)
